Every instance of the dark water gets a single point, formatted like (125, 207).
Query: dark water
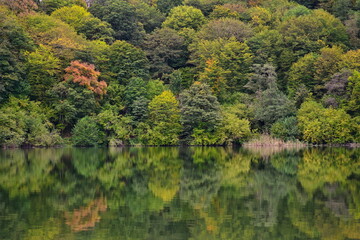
(180, 193)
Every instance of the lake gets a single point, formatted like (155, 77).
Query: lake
(175, 193)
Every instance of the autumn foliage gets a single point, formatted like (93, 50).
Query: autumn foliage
(84, 218)
(86, 75)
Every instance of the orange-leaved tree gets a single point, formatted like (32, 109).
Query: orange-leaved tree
(85, 75)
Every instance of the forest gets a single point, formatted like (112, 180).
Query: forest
(178, 72)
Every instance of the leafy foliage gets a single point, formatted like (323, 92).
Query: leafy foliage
(84, 23)
(14, 41)
(85, 75)
(43, 71)
(164, 117)
(320, 125)
(286, 129)
(87, 133)
(200, 114)
(166, 50)
(184, 17)
(25, 123)
(125, 61)
(122, 17)
(236, 68)
(49, 6)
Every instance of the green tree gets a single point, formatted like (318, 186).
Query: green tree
(314, 70)
(236, 59)
(286, 129)
(43, 71)
(86, 132)
(14, 41)
(122, 17)
(272, 105)
(200, 114)
(70, 102)
(166, 5)
(324, 26)
(85, 23)
(266, 46)
(223, 59)
(181, 79)
(139, 109)
(225, 28)
(184, 17)
(166, 50)
(260, 17)
(125, 61)
(263, 78)
(24, 122)
(321, 125)
(206, 6)
(149, 16)
(353, 105)
(154, 88)
(305, 34)
(302, 72)
(328, 63)
(226, 11)
(52, 32)
(118, 128)
(214, 76)
(235, 128)
(134, 89)
(164, 117)
(74, 15)
(297, 11)
(49, 6)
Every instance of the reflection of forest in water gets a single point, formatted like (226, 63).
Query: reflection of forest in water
(180, 193)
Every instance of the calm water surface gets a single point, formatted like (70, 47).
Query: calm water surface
(180, 193)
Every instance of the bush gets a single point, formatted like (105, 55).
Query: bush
(87, 133)
(23, 122)
(324, 125)
(286, 129)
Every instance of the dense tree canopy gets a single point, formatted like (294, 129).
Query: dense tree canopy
(193, 72)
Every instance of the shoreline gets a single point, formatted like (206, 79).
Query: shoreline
(248, 144)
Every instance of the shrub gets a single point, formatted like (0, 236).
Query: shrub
(23, 122)
(324, 125)
(286, 129)
(87, 133)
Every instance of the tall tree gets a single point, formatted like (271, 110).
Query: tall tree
(166, 5)
(184, 17)
(61, 37)
(85, 23)
(164, 116)
(166, 50)
(14, 41)
(225, 28)
(85, 75)
(43, 71)
(125, 61)
(200, 111)
(122, 17)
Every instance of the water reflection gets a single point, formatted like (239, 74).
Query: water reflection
(180, 193)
